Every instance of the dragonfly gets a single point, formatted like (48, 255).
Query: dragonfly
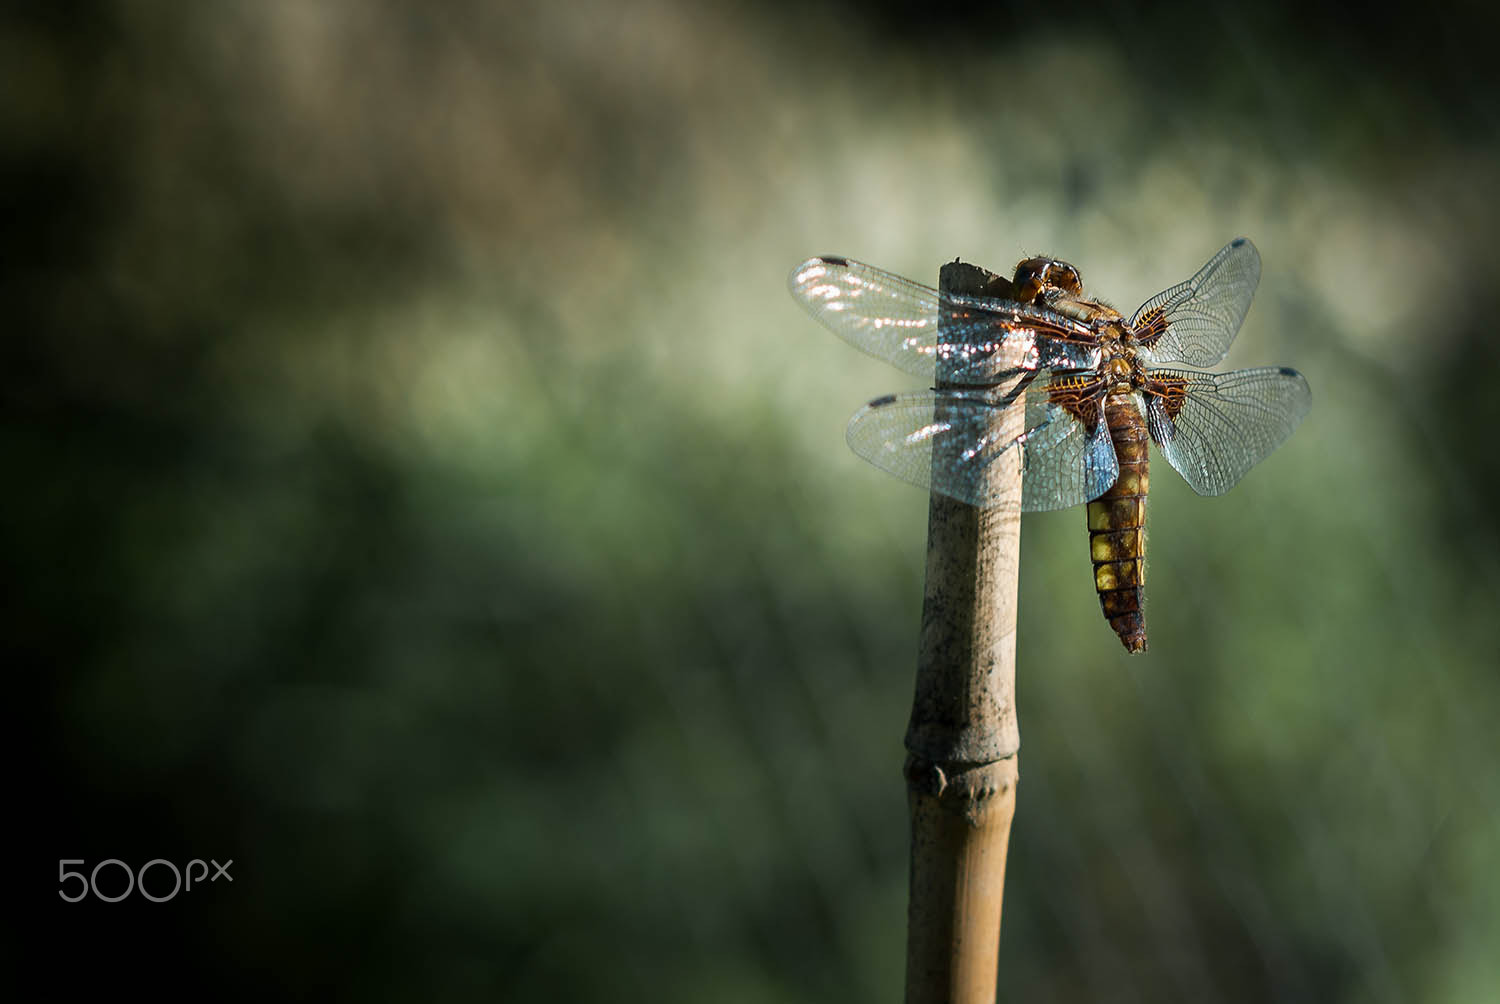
(1095, 388)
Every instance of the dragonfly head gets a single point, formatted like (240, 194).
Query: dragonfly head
(1037, 278)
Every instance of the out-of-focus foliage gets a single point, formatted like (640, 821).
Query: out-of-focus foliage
(428, 496)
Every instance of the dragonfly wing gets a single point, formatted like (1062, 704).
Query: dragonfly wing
(948, 441)
(1194, 322)
(1066, 462)
(878, 312)
(1214, 427)
(968, 340)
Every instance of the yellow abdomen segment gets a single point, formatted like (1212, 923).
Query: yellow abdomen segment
(1117, 527)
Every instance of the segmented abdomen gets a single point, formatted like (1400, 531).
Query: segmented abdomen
(1117, 526)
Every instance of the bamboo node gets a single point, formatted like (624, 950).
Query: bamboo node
(924, 776)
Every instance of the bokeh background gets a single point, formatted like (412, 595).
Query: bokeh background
(425, 493)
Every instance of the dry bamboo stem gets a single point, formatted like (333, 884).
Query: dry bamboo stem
(963, 738)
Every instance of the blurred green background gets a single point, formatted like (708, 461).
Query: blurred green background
(427, 495)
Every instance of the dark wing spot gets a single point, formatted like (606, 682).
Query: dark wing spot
(881, 402)
(1237, 242)
(1288, 371)
(831, 260)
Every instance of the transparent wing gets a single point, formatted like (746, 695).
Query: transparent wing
(1214, 427)
(1065, 464)
(977, 340)
(946, 441)
(1195, 321)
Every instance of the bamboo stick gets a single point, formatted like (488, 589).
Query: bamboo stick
(963, 737)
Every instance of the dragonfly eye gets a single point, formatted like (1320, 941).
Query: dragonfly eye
(1064, 277)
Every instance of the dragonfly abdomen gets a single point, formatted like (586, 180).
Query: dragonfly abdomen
(1117, 526)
